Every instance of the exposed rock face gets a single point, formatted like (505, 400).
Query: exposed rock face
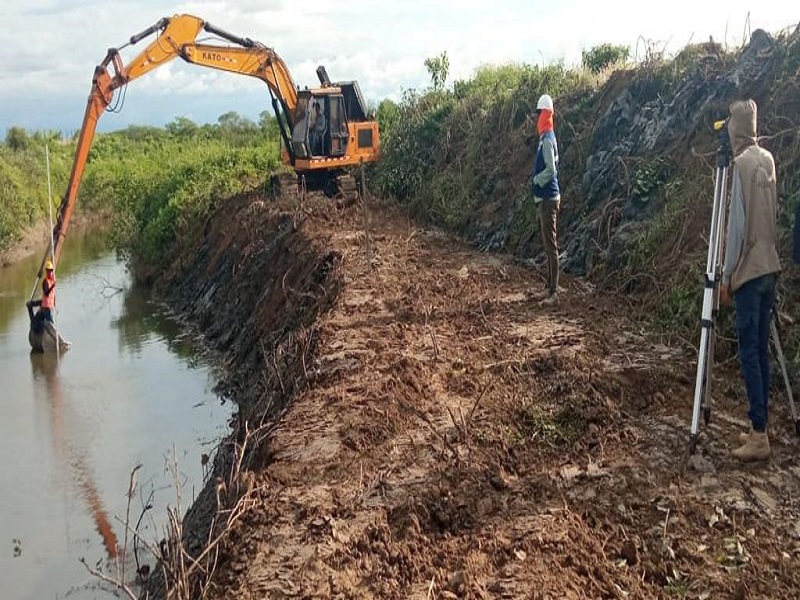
(643, 122)
(644, 119)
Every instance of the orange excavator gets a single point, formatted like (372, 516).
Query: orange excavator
(326, 132)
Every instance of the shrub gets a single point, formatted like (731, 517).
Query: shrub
(149, 178)
(598, 58)
(17, 138)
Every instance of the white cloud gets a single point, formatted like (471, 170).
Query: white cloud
(52, 46)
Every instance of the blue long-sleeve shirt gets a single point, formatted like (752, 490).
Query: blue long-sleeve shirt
(545, 178)
(549, 155)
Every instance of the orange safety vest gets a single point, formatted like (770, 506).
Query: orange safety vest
(49, 300)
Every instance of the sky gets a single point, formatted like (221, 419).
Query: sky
(52, 47)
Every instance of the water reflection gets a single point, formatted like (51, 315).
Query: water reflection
(127, 393)
(141, 321)
(48, 390)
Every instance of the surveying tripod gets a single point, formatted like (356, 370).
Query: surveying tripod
(711, 293)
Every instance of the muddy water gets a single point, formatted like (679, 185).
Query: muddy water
(129, 392)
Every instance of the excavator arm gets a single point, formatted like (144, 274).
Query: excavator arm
(254, 60)
(176, 38)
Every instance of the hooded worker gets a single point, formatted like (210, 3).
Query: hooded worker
(751, 267)
(48, 292)
(545, 189)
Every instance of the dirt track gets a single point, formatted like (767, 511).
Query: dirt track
(456, 438)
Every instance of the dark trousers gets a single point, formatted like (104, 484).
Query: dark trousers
(317, 143)
(548, 221)
(754, 302)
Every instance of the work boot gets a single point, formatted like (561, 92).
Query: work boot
(745, 435)
(550, 298)
(755, 448)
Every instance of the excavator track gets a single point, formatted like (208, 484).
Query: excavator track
(347, 190)
(341, 187)
(285, 185)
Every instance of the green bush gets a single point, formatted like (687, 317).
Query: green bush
(599, 58)
(442, 145)
(388, 115)
(17, 139)
(153, 195)
(152, 180)
(23, 180)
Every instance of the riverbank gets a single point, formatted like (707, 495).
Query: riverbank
(419, 426)
(31, 240)
(35, 239)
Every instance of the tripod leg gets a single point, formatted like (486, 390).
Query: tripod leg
(702, 365)
(709, 369)
(782, 362)
(705, 353)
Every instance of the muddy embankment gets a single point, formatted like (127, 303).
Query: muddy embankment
(641, 143)
(432, 431)
(252, 285)
(448, 436)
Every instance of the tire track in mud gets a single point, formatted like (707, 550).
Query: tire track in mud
(441, 434)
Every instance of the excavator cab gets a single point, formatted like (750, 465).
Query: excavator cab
(322, 149)
(320, 128)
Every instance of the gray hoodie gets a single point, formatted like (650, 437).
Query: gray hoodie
(750, 248)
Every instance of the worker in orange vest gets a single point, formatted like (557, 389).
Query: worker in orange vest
(48, 292)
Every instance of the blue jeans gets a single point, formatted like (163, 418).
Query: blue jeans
(754, 302)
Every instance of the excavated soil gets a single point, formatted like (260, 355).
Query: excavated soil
(430, 429)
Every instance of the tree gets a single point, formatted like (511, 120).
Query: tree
(233, 122)
(236, 129)
(182, 128)
(600, 57)
(268, 124)
(17, 138)
(438, 68)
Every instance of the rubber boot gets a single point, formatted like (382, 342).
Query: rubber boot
(755, 448)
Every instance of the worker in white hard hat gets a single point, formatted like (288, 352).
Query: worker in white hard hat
(546, 193)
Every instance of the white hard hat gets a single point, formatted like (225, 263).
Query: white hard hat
(545, 101)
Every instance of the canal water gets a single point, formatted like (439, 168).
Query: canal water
(129, 392)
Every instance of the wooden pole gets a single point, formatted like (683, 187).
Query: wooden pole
(52, 241)
(366, 215)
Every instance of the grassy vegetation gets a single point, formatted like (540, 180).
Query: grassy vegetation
(434, 156)
(151, 180)
(643, 247)
(23, 179)
(555, 427)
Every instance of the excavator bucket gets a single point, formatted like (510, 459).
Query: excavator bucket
(45, 338)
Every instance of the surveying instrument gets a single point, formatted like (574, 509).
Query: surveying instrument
(711, 293)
